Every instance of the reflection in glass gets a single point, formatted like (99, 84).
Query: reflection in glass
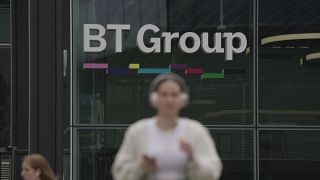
(236, 150)
(96, 149)
(289, 83)
(289, 154)
(116, 96)
(95, 152)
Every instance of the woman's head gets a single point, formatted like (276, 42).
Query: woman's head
(36, 167)
(168, 93)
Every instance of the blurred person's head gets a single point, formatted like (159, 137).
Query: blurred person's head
(168, 94)
(36, 167)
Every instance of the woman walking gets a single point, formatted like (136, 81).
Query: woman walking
(167, 146)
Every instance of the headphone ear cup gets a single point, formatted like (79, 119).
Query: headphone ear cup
(185, 99)
(38, 173)
(153, 99)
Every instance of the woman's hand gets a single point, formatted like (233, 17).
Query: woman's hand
(187, 148)
(148, 164)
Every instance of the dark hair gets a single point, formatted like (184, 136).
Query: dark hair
(157, 81)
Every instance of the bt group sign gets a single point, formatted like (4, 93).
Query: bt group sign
(201, 41)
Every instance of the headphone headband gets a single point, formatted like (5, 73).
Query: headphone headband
(165, 77)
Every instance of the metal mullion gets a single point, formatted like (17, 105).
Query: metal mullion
(126, 125)
(255, 89)
(72, 142)
(288, 126)
(287, 129)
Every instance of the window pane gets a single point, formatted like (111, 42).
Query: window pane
(289, 62)
(94, 152)
(119, 95)
(236, 150)
(5, 21)
(289, 154)
(96, 148)
(5, 70)
(5, 81)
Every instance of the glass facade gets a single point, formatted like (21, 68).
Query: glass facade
(289, 71)
(257, 106)
(99, 101)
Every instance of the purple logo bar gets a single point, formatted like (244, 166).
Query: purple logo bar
(119, 71)
(177, 66)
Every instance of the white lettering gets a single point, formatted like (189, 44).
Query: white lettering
(87, 38)
(155, 41)
(119, 28)
(183, 42)
(202, 42)
(229, 44)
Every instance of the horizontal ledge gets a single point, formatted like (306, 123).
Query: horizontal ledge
(262, 111)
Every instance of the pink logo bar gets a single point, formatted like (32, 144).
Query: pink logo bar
(95, 66)
(194, 71)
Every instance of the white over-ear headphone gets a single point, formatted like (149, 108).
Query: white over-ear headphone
(38, 173)
(154, 98)
(184, 98)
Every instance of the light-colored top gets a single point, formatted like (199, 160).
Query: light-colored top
(164, 147)
(205, 164)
